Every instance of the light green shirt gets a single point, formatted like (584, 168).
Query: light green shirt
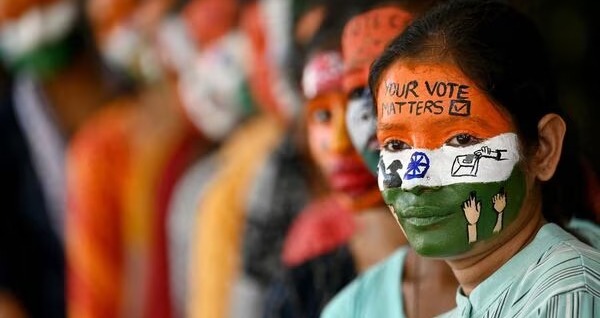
(554, 276)
(586, 230)
(376, 293)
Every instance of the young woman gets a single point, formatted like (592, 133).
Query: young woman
(471, 137)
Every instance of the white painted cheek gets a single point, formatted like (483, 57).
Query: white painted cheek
(360, 122)
(175, 44)
(211, 91)
(36, 28)
(122, 47)
(59, 19)
(29, 34)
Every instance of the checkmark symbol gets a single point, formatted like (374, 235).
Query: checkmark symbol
(460, 107)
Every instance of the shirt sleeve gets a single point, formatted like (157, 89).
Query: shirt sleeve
(582, 303)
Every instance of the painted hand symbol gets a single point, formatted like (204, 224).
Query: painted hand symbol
(472, 209)
(486, 150)
(499, 202)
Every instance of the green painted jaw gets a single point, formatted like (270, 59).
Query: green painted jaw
(45, 61)
(434, 219)
(371, 159)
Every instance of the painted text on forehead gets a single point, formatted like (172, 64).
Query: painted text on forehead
(424, 106)
(365, 37)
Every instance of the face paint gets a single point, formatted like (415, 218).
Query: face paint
(322, 74)
(214, 90)
(364, 38)
(209, 20)
(176, 47)
(267, 25)
(126, 49)
(327, 136)
(361, 122)
(449, 165)
(36, 41)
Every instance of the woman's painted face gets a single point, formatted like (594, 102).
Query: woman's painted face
(124, 31)
(449, 167)
(364, 38)
(213, 88)
(327, 135)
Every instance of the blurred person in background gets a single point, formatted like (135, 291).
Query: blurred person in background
(122, 169)
(348, 230)
(213, 85)
(57, 82)
(283, 185)
(216, 261)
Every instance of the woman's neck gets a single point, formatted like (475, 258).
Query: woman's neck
(426, 278)
(76, 92)
(376, 237)
(472, 270)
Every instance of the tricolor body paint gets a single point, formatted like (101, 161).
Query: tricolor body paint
(450, 162)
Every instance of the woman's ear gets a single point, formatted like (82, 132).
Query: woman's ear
(551, 132)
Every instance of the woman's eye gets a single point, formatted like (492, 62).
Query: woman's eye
(463, 140)
(322, 115)
(395, 145)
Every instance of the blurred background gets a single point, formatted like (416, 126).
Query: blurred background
(153, 152)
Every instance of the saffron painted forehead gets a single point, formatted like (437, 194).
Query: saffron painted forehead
(322, 74)
(365, 37)
(425, 105)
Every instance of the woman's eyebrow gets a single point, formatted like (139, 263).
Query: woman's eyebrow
(391, 126)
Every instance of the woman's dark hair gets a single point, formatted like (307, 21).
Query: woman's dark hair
(503, 53)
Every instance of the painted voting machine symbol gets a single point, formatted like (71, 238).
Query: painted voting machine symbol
(468, 165)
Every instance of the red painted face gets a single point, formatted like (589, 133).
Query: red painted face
(328, 138)
(365, 37)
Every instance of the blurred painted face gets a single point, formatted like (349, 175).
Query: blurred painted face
(449, 168)
(124, 31)
(327, 135)
(364, 38)
(33, 34)
(213, 89)
(266, 23)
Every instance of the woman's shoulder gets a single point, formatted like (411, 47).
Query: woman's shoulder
(376, 292)
(568, 268)
(586, 230)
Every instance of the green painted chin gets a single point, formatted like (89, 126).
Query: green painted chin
(371, 159)
(434, 219)
(45, 61)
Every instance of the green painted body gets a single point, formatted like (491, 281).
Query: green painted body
(433, 218)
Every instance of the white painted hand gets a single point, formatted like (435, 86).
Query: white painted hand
(472, 209)
(499, 202)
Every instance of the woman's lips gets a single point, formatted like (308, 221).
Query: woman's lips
(351, 177)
